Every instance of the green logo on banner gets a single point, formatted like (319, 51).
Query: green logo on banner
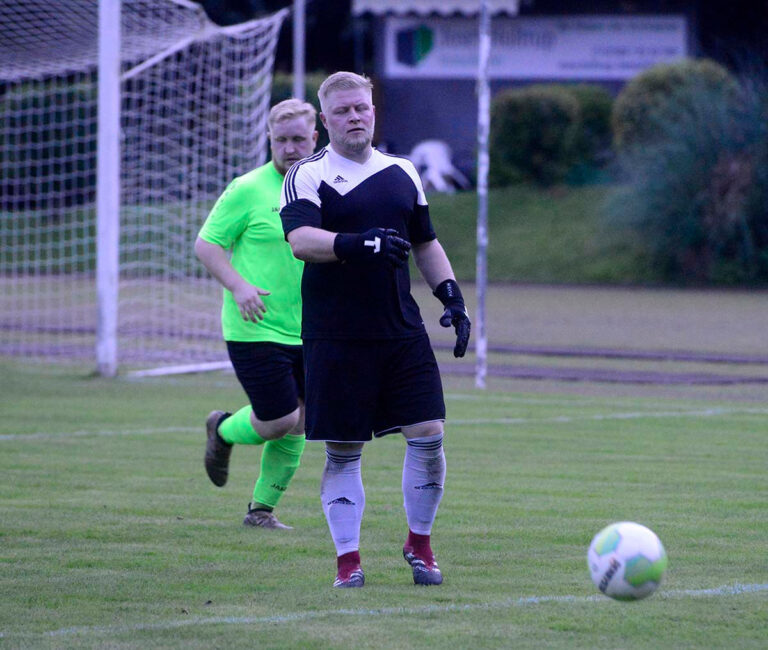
(413, 44)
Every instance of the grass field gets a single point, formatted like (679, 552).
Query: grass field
(540, 235)
(111, 535)
(536, 235)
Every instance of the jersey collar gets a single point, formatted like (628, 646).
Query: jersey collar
(339, 157)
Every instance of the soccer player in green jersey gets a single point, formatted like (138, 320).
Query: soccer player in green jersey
(261, 315)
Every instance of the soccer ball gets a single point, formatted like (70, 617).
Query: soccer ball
(627, 561)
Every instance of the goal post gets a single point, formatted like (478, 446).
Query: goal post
(96, 261)
(108, 186)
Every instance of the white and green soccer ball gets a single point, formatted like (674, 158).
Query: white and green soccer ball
(627, 561)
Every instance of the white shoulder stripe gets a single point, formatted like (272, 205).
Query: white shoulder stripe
(290, 178)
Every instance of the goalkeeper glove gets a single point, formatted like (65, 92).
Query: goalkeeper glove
(374, 244)
(448, 293)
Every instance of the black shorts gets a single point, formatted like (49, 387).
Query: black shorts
(271, 374)
(357, 389)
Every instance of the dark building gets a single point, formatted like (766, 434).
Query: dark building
(420, 52)
(426, 57)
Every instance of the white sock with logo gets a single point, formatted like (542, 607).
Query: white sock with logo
(343, 496)
(423, 478)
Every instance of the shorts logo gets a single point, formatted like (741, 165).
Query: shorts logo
(342, 501)
(429, 486)
(340, 179)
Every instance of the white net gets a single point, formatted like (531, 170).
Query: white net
(195, 99)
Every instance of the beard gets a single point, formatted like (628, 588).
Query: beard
(356, 141)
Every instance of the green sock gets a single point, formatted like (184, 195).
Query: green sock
(279, 462)
(237, 429)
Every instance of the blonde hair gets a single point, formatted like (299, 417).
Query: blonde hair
(289, 109)
(342, 81)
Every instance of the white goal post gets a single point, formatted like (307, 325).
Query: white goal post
(100, 246)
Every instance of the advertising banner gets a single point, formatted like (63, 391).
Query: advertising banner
(554, 47)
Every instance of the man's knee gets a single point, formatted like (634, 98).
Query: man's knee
(423, 429)
(277, 428)
(344, 447)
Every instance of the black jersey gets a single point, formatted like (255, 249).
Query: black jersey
(357, 300)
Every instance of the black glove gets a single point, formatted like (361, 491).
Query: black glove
(374, 244)
(448, 293)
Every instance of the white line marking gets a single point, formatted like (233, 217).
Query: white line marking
(181, 370)
(565, 402)
(558, 419)
(63, 435)
(189, 380)
(726, 590)
(562, 401)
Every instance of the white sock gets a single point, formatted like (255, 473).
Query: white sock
(423, 478)
(343, 496)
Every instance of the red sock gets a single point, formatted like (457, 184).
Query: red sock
(347, 563)
(419, 545)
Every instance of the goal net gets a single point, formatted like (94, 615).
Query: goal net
(194, 102)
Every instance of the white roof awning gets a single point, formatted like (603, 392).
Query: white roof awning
(427, 7)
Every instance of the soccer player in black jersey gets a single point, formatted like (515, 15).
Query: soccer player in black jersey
(353, 214)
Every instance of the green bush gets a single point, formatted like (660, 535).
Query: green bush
(282, 87)
(550, 133)
(660, 87)
(534, 133)
(697, 188)
(593, 142)
(48, 145)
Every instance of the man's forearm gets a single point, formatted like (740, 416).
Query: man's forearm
(215, 259)
(312, 244)
(433, 263)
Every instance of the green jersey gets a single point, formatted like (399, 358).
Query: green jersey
(246, 219)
